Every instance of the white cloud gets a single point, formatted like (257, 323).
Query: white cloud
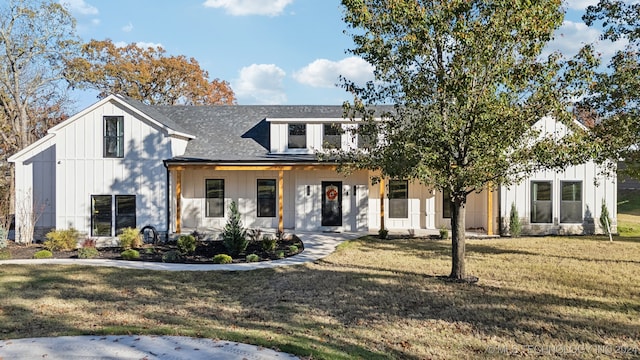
(140, 44)
(128, 27)
(326, 73)
(79, 6)
(250, 7)
(95, 22)
(579, 4)
(260, 84)
(572, 36)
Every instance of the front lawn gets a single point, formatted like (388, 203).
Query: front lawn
(550, 297)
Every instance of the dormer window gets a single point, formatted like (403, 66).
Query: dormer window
(113, 137)
(297, 136)
(332, 136)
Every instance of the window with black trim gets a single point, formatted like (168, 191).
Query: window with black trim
(214, 193)
(125, 212)
(571, 202)
(266, 197)
(113, 137)
(101, 215)
(297, 136)
(446, 204)
(398, 199)
(541, 208)
(332, 136)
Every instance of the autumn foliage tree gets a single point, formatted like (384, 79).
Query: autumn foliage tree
(467, 83)
(147, 74)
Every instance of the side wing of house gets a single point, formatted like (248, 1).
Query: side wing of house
(566, 202)
(99, 171)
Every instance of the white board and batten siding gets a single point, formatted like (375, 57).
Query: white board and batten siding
(83, 171)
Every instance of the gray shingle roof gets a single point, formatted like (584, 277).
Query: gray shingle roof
(233, 133)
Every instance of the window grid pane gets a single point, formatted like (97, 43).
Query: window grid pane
(101, 215)
(214, 193)
(446, 204)
(266, 198)
(398, 199)
(332, 136)
(541, 209)
(125, 212)
(297, 136)
(571, 203)
(113, 136)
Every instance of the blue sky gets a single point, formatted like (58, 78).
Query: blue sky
(270, 51)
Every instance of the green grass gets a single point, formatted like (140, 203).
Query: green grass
(372, 299)
(629, 213)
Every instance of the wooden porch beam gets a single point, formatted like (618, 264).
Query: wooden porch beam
(281, 201)
(381, 203)
(489, 209)
(178, 201)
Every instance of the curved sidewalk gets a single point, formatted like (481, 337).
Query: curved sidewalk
(316, 246)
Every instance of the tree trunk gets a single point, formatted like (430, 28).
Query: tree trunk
(458, 239)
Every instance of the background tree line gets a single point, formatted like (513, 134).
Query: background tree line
(41, 58)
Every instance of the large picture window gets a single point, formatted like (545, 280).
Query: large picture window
(541, 195)
(399, 199)
(113, 136)
(297, 136)
(571, 202)
(332, 136)
(102, 214)
(214, 197)
(266, 197)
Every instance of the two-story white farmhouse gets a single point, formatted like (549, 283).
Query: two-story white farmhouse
(121, 163)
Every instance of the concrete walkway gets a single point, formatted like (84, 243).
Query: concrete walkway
(316, 246)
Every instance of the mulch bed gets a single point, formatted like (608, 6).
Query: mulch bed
(203, 254)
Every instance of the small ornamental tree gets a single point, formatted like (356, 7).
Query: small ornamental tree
(234, 234)
(515, 227)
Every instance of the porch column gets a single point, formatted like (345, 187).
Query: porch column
(381, 203)
(178, 200)
(489, 209)
(281, 200)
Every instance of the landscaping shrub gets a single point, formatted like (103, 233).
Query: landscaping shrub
(43, 254)
(187, 244)
(253, 258)
(64, 240)
(130, 254)
(293, 249)
(87, 253)
(515, 227)
(5, 254)
(269, 243)
(222, 259)
(234, 235)
(254, 234)
(3, 238)
(280, 254)
(383, 233)
(197, 235)
(444, 233)
(130, 238)
(172, 256)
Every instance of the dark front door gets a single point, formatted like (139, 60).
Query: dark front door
(331, 203)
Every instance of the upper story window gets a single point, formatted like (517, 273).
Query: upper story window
(367, 136)
(332, 136)
(297, 136)
(113, 136)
